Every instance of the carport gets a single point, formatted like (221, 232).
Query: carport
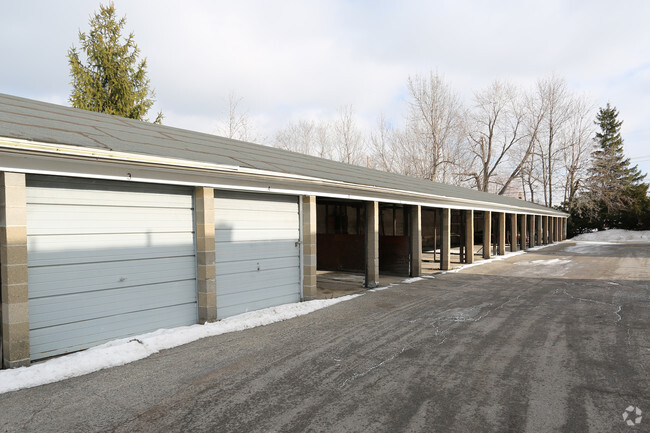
(111, 227)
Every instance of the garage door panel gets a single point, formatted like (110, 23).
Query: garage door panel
(255, 265)
(107, 260)
(251, 305)
(65, 219)
(257, 249)
(58, 280)
(262, 280)
(227, 200)
(86, 191)
(228, 252)
(75, 336)
(76, 249)
(229, 235)
(86, 306)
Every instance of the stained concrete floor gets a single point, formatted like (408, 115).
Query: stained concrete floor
(332, 284)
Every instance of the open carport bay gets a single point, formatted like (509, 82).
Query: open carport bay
(552, 340)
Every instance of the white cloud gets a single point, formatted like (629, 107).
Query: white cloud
(293, 58)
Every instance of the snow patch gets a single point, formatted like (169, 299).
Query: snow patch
(126, 350)
(545, 262)
(615, 235)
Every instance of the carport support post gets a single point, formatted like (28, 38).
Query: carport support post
(502, 233)
(539, 229)
(551, 230)
(513, 232)
(469, 236)
(308, 247)
(445, 240)
(13, 269)
(545, 229)
(523, 232)
(372, 244)
(205, 254)
(416, 241)
(531, 236)
(487, 233)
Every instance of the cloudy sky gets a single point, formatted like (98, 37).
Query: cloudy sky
(304, 59)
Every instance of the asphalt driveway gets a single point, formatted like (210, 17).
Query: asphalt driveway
(553, 340)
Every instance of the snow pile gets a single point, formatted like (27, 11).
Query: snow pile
(614, 235)
(120, 352)
(545, 262)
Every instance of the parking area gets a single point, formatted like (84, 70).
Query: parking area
(552, 340)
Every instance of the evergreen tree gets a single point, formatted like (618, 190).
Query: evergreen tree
(113, 80)
(617, 196)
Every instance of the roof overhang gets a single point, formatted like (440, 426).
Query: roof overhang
(75, 161)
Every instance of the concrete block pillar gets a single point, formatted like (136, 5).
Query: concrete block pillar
(469, 236)
(416, 241)
(372, 244)
(445, 239)
(309, 279)
(487, 234)
(205, 254)
(513, 232)
(523, 230)
(502, 233)
(540, 235)
(564, 226)
(551, 231)
(531, 235)
(13, 270)
(545, 229)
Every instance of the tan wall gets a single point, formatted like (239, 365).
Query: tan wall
(13, 270)
(205, 254)
(309, 247)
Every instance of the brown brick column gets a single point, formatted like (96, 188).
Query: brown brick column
(205, 254)
(309, 248)
(502, 233)
(372, 244)
(513, 232)
(531, 230)
(523, 231)
(445, 239)
(469, 236)
(416, 241)
(487, 234)
(13, 268)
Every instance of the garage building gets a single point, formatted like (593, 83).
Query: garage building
(111, 227)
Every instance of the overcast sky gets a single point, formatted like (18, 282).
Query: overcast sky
(304, 59)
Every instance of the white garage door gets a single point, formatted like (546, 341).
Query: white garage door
(106, 260)
(257, 251)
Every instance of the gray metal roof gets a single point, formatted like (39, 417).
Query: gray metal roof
(42, 122)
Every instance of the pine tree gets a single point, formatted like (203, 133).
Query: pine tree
(113, 80)
(616, 192)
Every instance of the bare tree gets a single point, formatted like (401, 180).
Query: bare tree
(434, 125)
(236, 123)
(553, 93)
(348, 140)
(579, 142)
(305, 136)
(383, 141)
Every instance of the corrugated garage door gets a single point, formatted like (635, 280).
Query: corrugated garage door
(106, 260)
(257, 251)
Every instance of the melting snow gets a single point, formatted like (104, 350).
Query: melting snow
(120, 352)
(615, 235)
